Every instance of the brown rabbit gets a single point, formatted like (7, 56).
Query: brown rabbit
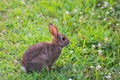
(42, 55)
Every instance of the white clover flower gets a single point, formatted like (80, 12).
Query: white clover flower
(84, 50)
(99, 16)
(74, 23)
(106, 39)
(66, 12)
(81, 13)
(75, 11)
(18, 17)
(109, 23)
(98, 67)
(21, 21)
(92, 13)
(108, 77)
(71, 51)
(105, 19)
(107, 13)
(15, 62)
(102, 7)
(99, 4)
(105, 4)
(23, 1)
(40, 14)
(119, 72)
(70, 79)
(75, 70)
(91, 67)
(117, 24)
(63, 22)
(93, 46)
(81, 17)
(100, 52)
(81, 39)
(109, 73)
(28, 34)
(112, 9)
(99, 45)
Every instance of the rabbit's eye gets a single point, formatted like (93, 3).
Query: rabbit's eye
(63, 38)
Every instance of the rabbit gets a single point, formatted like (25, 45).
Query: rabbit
(44, 54)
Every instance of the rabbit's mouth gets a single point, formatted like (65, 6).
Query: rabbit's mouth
(67, 43)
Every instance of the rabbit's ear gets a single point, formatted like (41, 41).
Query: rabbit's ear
(53, 30)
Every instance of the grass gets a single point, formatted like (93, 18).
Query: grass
(93, 27)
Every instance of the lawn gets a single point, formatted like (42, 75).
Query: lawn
(92, 26)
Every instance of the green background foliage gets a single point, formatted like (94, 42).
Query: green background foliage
(92, 26)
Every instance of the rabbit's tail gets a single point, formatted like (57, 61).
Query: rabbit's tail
(23, 68)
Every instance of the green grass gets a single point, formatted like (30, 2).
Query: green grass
(85, 22)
